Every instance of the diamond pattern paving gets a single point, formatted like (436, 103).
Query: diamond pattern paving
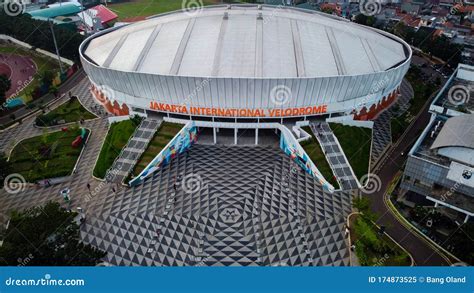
(222, 206)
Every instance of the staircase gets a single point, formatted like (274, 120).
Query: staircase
(334, 155)
(130, 154)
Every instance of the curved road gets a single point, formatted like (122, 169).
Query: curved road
(423, 253)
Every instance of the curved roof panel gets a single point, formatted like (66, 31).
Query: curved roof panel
(248, 41)
(456, 132)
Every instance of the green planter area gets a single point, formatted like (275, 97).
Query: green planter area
(71, 111)
(315, 153)
(116, 139)
(356, 143)
(47, 156)
(374, 248)
(162, 137)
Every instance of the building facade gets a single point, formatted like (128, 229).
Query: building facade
(245, 61)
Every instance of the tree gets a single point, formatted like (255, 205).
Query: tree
(46, 236)
(365, 20)
(5, 85)
(47, 77)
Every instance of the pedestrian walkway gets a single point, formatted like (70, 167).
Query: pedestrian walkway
(334, 155)
(83, 189)
(382, 134)
(130, 154)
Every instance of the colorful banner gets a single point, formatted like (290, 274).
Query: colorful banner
(292, 148)
(180, 143)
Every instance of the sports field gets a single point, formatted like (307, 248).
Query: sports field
(139, 9)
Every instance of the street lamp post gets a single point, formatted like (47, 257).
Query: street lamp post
(55, 44)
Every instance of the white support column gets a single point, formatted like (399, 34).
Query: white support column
(256, 136)
(215, 134)
(436, 205)
(466, 219)
(235, 135)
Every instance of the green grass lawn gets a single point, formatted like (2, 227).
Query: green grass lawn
(70, 111)
(43, 64)
(139, 8)
(115, 141)
(356, 143)
(373, 249)
(46, 156)
(162, 137)
(314, 151)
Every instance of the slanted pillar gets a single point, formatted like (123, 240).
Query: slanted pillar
(256, 135)
(466, 219)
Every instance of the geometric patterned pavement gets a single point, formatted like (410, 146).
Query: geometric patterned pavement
(222, 206)
(382, 133)
(334, 154)
(211, 206)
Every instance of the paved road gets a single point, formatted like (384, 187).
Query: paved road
(423, 254)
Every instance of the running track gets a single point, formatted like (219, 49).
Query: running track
(20, 69)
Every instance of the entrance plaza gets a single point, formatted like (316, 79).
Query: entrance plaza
(215, 204)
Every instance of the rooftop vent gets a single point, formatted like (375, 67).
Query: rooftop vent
(226, 15)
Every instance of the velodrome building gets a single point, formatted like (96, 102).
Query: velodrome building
(238, 63)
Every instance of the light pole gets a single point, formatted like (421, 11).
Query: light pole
(55, 44)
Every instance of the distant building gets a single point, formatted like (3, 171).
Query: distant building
(55, 10)
(97, 18)
(440, 165)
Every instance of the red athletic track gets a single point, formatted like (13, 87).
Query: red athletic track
(21, 70)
